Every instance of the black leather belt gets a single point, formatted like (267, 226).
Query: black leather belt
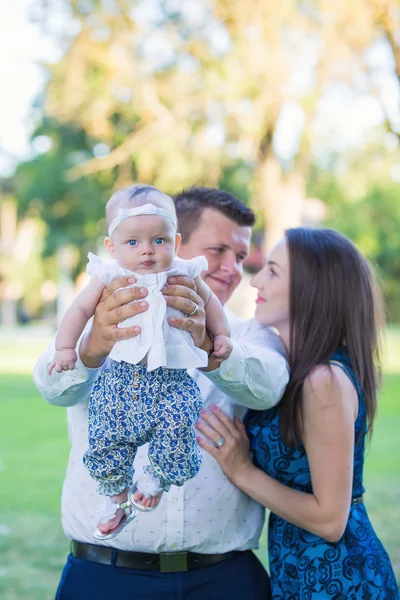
(166, 562)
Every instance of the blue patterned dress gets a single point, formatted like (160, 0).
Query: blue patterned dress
(304, 566)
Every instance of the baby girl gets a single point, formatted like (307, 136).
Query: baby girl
(146, 395)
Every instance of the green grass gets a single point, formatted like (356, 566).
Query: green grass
(33, 456)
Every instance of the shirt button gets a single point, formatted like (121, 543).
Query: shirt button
(173, 546)
(175, 499)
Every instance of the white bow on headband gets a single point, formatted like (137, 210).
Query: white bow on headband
(146, 209)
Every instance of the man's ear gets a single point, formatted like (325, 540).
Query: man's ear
(109, 245)
(178, 239)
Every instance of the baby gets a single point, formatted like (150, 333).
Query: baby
(146, 395)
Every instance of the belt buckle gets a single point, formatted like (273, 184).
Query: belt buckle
(173, 562)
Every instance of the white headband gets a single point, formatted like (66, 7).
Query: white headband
(146, 209)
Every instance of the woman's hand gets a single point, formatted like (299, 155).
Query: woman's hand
(227, 442)
(113, 308)
(180, 293)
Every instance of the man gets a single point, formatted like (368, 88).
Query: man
(197, 544)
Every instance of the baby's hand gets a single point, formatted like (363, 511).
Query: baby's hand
(222, 347)
(64, 360)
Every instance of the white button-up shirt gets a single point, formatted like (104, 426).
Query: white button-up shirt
(207, 514)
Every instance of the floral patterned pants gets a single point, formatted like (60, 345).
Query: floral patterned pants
(130, 406)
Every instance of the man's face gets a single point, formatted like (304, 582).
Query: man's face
(225, 245)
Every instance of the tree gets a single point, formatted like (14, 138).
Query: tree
(177, 96)
(386, 16)
(21, 265)
(71, 210)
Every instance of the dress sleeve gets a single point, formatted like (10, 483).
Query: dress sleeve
(197, 265)
(96, 267)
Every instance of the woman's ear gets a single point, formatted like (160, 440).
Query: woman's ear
(109, 245)
(178, 239)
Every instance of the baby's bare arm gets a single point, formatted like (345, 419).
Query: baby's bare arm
(78, 314)
(216, 321)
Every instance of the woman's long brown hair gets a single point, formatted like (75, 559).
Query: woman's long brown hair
(334, 302)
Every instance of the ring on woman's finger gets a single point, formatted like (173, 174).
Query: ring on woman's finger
(220, 442)
(194, 311)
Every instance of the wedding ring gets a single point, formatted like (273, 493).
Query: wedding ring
(219, 443)
(194, 311)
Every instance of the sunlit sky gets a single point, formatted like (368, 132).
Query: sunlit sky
(23, 45)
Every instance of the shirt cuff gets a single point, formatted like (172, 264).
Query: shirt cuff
(68, 381)
(232, 369)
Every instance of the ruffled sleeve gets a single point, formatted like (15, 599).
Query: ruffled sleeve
(96, 267)
(196, 266)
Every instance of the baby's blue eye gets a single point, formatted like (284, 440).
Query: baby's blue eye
(159, 241)
(132, 242)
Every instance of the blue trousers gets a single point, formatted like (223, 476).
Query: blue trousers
(240, 578)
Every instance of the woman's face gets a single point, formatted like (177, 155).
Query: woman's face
(272, 282)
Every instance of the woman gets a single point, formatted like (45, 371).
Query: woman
(308, 453)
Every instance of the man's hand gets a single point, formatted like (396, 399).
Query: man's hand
(180, 292)
(113, 308)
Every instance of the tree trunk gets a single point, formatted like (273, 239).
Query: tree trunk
(281, 200)
(8, 311)
(8, 233)
(65, 293)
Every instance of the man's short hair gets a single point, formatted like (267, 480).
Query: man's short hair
(191, 203)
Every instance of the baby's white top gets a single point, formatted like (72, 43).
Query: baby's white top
(165, 346)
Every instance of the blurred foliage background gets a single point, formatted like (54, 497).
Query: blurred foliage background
(265, 98)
